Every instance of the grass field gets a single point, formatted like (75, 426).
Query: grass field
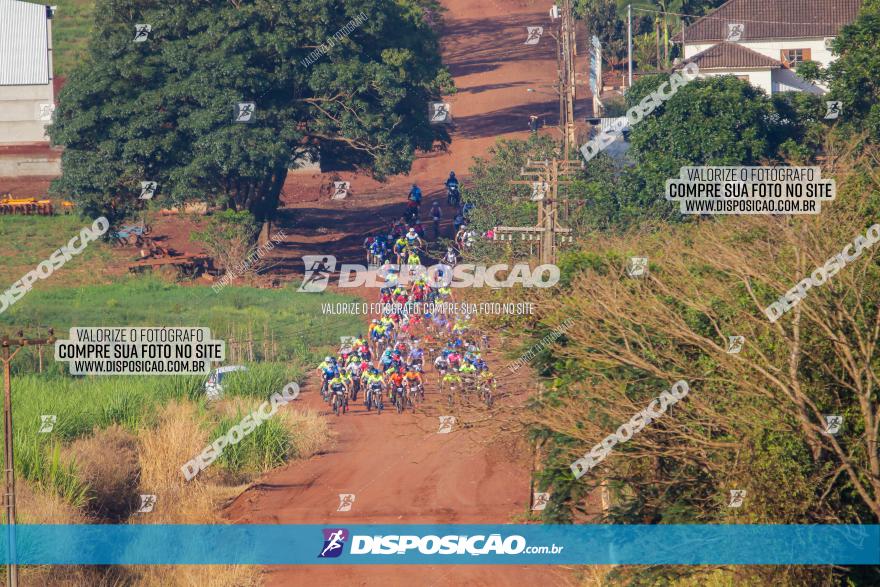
(280, 334)
(71, 28)
(28, 240)
(289, 322)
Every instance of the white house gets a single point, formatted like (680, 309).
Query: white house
(26, 92)
(763, 41)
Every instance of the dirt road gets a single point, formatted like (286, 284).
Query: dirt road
(398, 466)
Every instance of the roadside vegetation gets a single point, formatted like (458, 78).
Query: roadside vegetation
(117, 437)
(754, 420)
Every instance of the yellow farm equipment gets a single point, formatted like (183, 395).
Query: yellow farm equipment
(45, 207)
(10, 205)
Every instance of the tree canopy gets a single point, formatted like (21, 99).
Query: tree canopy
(162, 109)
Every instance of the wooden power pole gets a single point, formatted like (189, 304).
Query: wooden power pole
(545, 184)
(7, 344)
(566, 43)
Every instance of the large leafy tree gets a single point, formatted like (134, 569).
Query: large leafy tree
(163, 109)
(855, 75)
(713, 121)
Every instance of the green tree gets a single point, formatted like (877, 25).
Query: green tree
(713, 121)
(162, 110)
(854, 76)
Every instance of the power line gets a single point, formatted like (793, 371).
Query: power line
(726, 19)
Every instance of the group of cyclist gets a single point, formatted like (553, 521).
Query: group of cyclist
(388, 363)
(404, 242)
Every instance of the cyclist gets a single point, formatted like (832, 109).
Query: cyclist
(377, 250)
(386, 360)
(328, 371)
(452, 182)
(468, 372)
(413, 240)
(415, 201)
(413, 260)
(353, 371)
(400, 246)
(487, 385)
(450, 382)
(414, 383)
(337, 386)
(417, 357)
(454, 359)
(368, 247)
(441, 364)
(373, 384)
(377, 333)
(395, 380)
(436, 215)
(453, 195)
(450, 258)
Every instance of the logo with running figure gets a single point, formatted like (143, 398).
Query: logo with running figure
(317, 275)
(334, 541)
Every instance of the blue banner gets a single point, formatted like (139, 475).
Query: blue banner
(444, 544)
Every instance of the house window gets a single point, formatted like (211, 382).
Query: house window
(794, 57)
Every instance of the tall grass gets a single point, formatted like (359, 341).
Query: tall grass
(268, 446)
(277, 324)
(71, 28)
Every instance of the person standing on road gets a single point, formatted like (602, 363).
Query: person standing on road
(533, 123)
(436, 215)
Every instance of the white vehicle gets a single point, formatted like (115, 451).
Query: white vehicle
(214, 384)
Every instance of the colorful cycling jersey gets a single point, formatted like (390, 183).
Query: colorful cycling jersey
(451, 378)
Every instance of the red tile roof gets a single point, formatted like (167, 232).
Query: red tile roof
(732, 55)
(768, 19)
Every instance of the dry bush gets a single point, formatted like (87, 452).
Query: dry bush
(163, 450)
(107, 462)
(310, 433)
(36, 506)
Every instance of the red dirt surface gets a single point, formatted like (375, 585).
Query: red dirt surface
(25, 187)
(400, 469)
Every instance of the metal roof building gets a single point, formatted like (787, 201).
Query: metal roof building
(26, 93)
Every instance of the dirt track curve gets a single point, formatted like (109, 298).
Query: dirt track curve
(400, 469)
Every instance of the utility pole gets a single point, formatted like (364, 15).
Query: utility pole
(565, 59)
(7, 344)
(545, 183)
(629, 42)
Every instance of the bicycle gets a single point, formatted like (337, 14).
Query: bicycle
(374, 397)
(400, 398)
(339, 401)
(417, 395)
(487, 395)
